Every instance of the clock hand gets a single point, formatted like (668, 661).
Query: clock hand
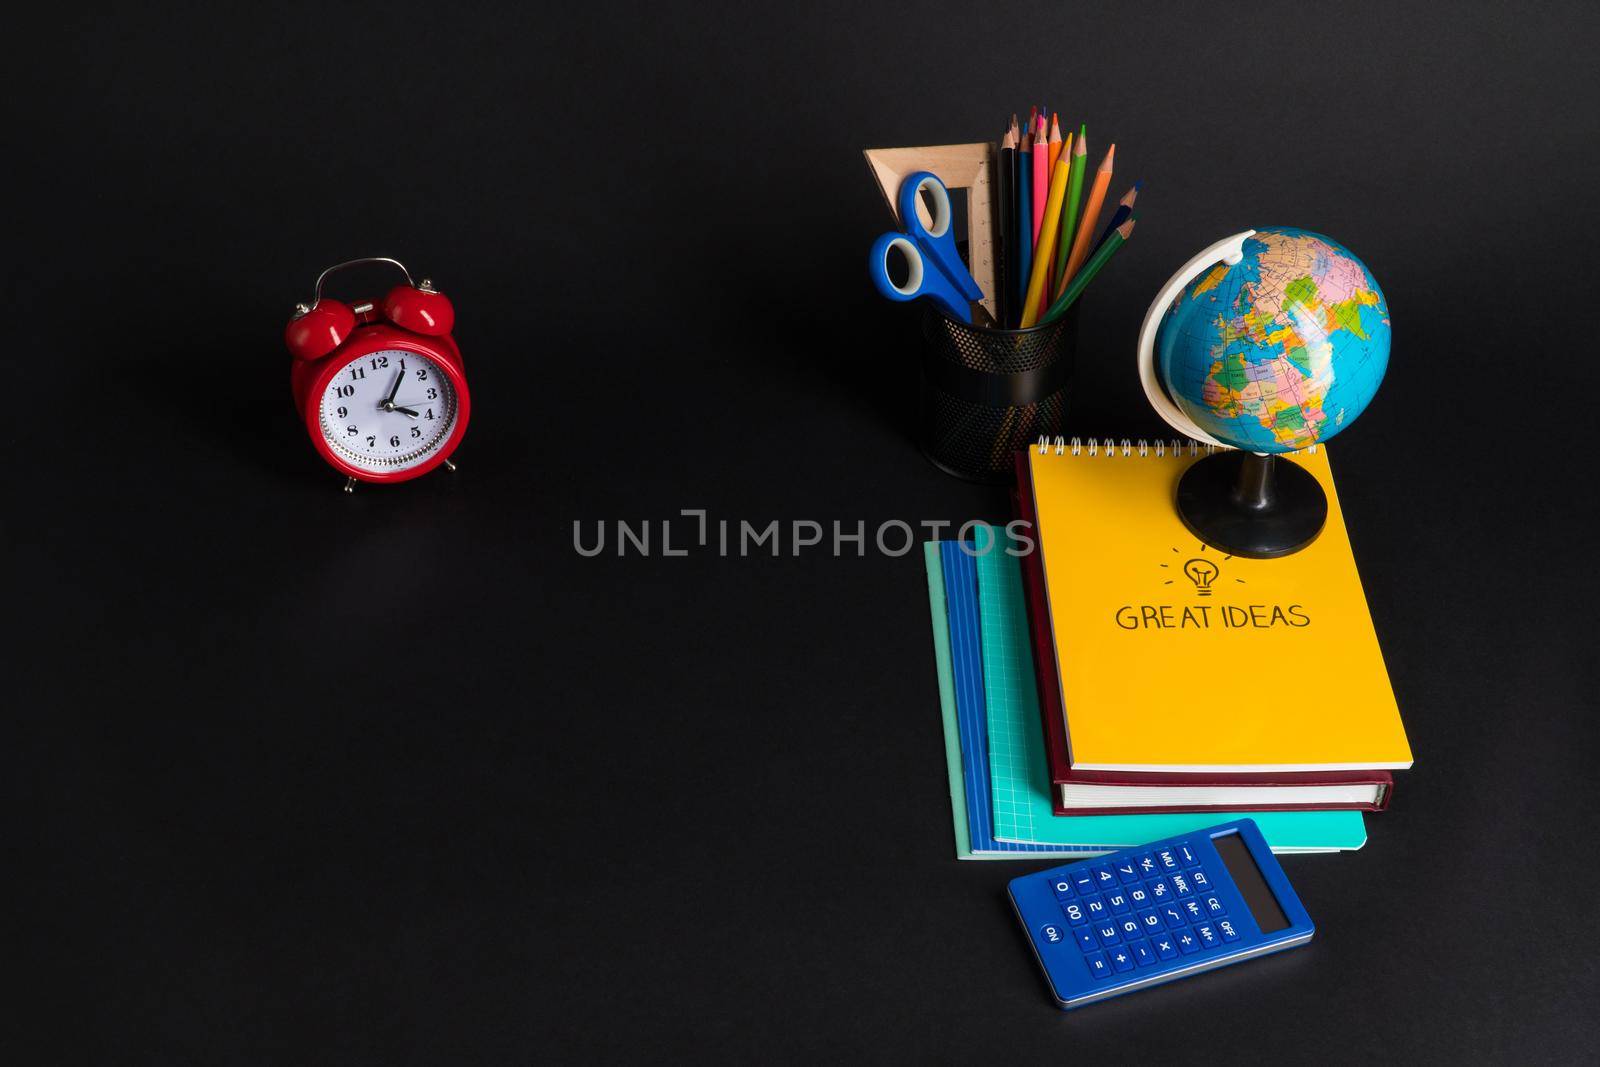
(404, 411)
(388, 401)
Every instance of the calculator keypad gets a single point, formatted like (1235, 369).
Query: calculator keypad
(1155, 907)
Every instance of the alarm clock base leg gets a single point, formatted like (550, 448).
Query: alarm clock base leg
(450, 465)
(349, 485)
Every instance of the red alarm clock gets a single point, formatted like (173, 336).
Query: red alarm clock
(381, 386)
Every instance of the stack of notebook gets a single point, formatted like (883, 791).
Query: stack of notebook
(1107, 679)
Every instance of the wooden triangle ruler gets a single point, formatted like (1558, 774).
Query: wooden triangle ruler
(959, 166)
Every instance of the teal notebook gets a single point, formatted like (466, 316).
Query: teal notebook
(1019, 775)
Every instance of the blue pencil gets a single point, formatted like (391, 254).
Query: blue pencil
(1118, 217)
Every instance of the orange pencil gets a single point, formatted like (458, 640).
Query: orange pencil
(1041, 177)
(1055, 142)
(1091, 213)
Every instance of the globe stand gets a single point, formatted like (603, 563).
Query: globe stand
(1251, 505)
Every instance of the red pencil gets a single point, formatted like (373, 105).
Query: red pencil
(1041, 177)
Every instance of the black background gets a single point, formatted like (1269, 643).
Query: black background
(397, 777)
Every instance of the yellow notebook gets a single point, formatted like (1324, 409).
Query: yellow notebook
(1174, 657)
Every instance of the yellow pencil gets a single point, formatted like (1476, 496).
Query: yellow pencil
(1043, 257)
(1091, 212)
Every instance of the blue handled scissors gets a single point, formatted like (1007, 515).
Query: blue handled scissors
(934, 267)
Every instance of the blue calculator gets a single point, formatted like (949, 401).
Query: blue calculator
(1158, 912)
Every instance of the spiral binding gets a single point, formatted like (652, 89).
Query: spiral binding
(1108, 447)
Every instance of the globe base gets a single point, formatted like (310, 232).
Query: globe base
(1252, 505)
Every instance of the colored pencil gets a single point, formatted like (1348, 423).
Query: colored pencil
(1006, 254)
(1095, 264)
(1064, 166)
(1055, 143)
(1039, 281)
(1016, 280)
(1024, 215)
(1069, 209)
(1041, 177)
(1091, 214)
(1119, 216)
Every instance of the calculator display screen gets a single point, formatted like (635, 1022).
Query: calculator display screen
(1257, 894)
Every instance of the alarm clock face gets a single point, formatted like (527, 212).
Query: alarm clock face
(388, 411)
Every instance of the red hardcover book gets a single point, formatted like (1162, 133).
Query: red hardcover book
(1142, 792)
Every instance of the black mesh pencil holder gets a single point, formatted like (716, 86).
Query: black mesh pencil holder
(987, 394)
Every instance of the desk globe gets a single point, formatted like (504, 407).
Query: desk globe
(1268, 341)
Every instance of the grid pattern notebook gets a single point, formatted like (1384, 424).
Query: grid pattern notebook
(966, 661)
(965, 705)
(1020, 785)
(947, 698)
(1016, 749)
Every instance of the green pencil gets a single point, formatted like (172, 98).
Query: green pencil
(1069, 206)
(1080, 281)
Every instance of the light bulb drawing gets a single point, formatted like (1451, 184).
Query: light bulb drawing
(1202, 572)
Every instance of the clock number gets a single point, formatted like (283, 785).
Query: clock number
(351, 431)
(357, 373)
(433, 394)
(416, 431)
(422, 375)
(394, 442)
(371, 440)
(430, 413)
(402, 364)
(345, 390)
(379, 362)
(342, 411)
